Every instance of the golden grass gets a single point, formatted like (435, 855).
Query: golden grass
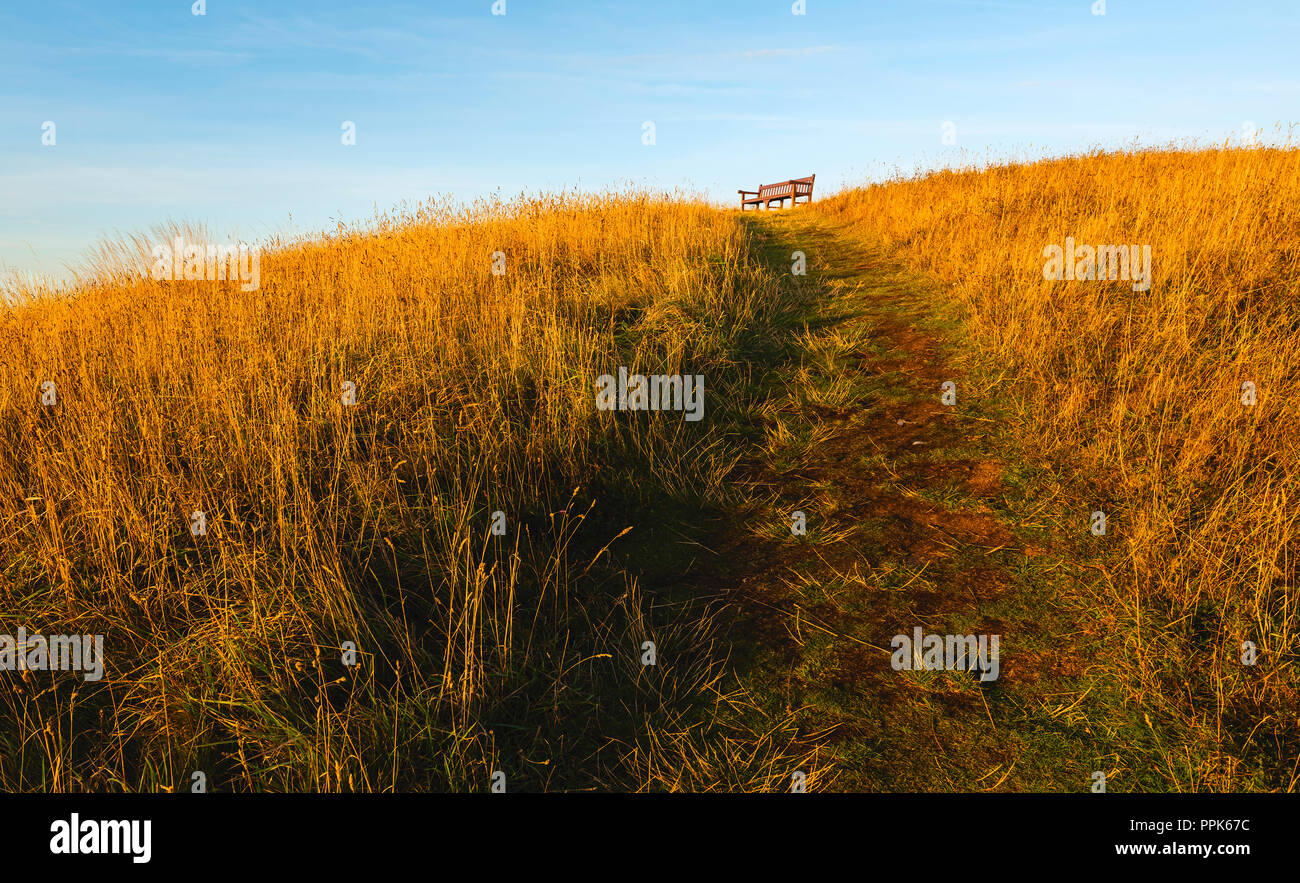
(369, 523)
(1141, 392)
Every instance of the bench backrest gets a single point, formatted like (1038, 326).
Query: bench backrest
(793, 187)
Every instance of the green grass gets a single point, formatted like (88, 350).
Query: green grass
(1061, 708)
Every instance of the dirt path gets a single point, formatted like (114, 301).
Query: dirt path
(919, 514)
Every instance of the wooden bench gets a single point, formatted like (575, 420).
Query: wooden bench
(770, 193)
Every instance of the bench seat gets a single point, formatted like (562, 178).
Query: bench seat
(765, 195)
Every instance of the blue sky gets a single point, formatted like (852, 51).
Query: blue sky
(234, 118)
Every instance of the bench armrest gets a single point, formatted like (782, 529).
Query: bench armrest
(755, 192)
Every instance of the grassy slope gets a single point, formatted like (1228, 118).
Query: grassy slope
(941, 520)
(1136, 397)
(522, 653)
(370, 523)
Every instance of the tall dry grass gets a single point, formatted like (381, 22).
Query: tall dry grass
(369, 523)
(1140, 391)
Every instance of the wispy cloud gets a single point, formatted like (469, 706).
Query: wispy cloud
(771, 53)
